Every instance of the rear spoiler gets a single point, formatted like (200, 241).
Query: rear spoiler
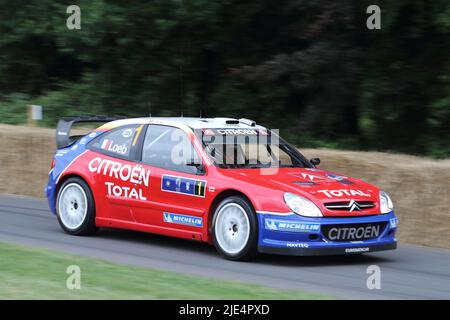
(63, 138)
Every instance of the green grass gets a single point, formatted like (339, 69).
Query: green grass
(27, 273)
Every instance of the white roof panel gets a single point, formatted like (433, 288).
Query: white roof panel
(194, 123)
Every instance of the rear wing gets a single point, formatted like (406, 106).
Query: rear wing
(63, 137)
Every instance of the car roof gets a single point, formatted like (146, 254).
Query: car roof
(194, 123)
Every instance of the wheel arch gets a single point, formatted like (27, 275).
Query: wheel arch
(67, 177)
(219, 198)
(88, 225)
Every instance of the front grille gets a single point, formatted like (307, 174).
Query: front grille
(349, 205)
(353, 232)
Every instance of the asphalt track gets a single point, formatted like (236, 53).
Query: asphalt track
(410, 272)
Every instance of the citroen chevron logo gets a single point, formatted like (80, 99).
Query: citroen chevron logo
(353, 205)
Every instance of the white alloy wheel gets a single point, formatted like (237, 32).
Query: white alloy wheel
(72, 206)
(232, 228)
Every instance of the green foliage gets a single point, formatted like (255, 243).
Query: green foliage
(310, 68)
(13, 109)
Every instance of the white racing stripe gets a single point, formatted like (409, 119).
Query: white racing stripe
(276, 213)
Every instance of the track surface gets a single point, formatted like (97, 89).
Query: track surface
(409, 272)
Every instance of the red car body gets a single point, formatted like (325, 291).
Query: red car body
(131, 194)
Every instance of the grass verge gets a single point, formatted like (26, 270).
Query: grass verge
(28, 273)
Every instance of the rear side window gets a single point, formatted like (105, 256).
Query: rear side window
(169, 148)
(119, 142)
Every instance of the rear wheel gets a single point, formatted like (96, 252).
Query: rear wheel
(235, 229)
(75, 207)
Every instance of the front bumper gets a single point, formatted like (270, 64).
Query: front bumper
(295, 235)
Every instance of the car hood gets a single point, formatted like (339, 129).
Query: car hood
(330, 191)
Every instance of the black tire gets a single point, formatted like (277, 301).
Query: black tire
(249, 251)
(87, 226)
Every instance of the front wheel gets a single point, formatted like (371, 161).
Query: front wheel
(235, 229)
(75, 207)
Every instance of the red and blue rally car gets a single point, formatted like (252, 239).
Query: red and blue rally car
(229, 182)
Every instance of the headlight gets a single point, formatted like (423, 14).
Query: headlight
(301, 206)
(386, 204)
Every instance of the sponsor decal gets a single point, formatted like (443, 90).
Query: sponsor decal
(343, 192)
(354, 233)
(245, 132)
(125, 192)
(393, 222)
(341, 179)
(138, 133)
(286, 225)
(182, 185)
(127, 173)
(297, 245)
(336, 177)
(347, 182)
(106, 144)
(109, 145)
(61, 153)
(92, 134)
(357, 250)
(305, 183)
(124, 173)
(308, 176)
(183, 219)
(127, 133)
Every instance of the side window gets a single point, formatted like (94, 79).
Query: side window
(169, 148)
(118, 142)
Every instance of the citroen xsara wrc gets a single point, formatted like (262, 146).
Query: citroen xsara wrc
(228, 182)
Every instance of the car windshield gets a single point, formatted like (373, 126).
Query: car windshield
(250, 148)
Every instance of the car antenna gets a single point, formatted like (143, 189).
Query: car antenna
(149, 105)
(181, 91)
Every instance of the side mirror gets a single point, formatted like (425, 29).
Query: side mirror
(315, 161)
